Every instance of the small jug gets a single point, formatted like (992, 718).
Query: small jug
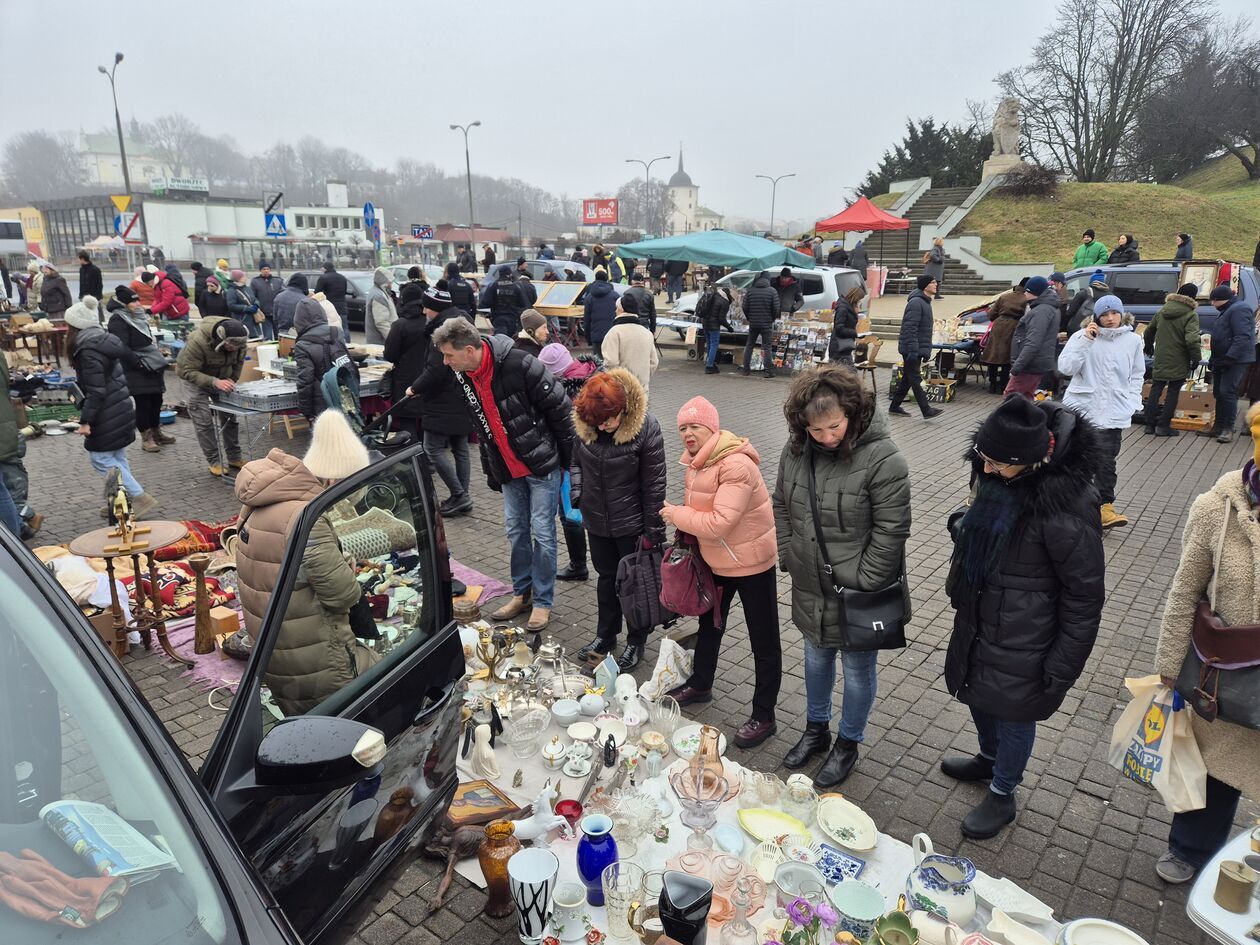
(941, 884)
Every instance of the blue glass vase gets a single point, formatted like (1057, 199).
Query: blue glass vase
(596, 850)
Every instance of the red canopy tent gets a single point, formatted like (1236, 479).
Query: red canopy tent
(862, 215)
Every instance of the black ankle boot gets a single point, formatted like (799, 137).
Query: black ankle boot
(976, 768)
(596, 649)
(817, 738)
(839, 763)
(989, 816)
(575, 542)
(631, 656)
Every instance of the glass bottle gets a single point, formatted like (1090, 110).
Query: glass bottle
(738, 930)
(706, 765)
(493, 855)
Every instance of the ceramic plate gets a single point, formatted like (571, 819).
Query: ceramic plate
(800, 847)
(1098, 932)
(847, 824)
(1011, 899)
(1006, 931)
(686, 741)
(729, 838)
(765, 858)
(837, 865)
(761, 823)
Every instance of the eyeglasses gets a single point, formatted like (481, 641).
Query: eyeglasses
(998, 467)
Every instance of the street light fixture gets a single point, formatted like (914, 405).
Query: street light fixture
(468, 169)
(774, 187)
(647, 179)
(122, 148)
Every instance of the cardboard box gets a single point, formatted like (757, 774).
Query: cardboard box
(939, 391)
(249, 370)
(224, 620)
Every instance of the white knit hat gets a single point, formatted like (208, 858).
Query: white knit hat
(83, 314)
(335, 451)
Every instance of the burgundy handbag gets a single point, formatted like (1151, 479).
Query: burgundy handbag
(687, 584)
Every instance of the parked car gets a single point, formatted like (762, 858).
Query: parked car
(820, 286)
(538, 269)
(282, 837)
(431, 273)
(358, 285)
(1142, 287)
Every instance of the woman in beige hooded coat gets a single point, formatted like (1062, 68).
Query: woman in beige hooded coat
(1224, 517)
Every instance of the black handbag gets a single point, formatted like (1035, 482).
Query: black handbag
(869, 620)
(1220, 675)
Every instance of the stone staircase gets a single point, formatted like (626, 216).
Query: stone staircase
(959, 278)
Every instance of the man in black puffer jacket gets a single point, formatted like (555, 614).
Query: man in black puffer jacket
(1027, 586)
(914, 344)
(1036, 337)
(525, 424)
(463, 296)
(318, 349)
(285, 305)
(506, 300)
(761, 308)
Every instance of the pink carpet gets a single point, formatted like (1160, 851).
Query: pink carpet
(211, 670)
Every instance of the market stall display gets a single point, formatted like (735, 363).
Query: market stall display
(654, 796)
(1225, 898)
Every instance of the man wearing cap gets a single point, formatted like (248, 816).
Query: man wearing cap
(1233, 348)
(644, 300)
(914, 344)
(210, 364)
(1172, 338)
(1091, 252)
(1036, 335)
(506, 300)
(523, 280)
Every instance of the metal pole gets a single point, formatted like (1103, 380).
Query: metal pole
(647, 180)
(122, 147)
(774, 188)
(468, 170)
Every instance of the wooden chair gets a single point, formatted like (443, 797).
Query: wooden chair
(292, 420)
(868, 366)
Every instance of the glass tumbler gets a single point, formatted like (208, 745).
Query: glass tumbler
(623, 884)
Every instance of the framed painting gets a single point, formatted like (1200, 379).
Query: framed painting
(479, 802)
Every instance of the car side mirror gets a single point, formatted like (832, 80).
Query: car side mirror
(318, 753)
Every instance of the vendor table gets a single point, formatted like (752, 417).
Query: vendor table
(50, 344)
(146, 615)
(944, 359)
(1201, 907)
(220, 411)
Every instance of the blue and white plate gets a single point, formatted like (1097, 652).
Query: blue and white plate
(837, 865)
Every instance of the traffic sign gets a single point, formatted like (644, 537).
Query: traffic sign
(276, 225)
(273, 201)
(376, 234)
(122, 202)
(369, 215)
(421, 231)
(126, 226)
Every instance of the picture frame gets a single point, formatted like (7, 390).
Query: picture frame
(479, 802)
(562, 294)
(1204, 275)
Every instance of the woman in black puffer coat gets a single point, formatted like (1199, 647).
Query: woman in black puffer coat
(407, 349)
(844, 327)
(1026, 583)
(618, 472)
(107, 420)
(317, 350)
(130, 325)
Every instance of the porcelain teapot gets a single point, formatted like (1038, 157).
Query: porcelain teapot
(941, 884)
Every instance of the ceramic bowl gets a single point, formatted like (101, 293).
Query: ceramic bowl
(801, 848)
(686, 741)
(652, 740)
(614, 727)
(859, 905)
(566, 712)
(765, 858)
(582, 731)
(790, 877)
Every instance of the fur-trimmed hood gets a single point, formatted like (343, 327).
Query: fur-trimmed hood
(1057, 486)
(631, 423)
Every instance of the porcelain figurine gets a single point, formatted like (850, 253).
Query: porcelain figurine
(606, 674)
(483, 760)
(577, 767)
(625, 690)
(543, 820)
(941, 884)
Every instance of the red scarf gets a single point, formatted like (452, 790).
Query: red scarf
(481, 379)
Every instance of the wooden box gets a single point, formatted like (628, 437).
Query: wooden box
(224, 620)
(1192, 421)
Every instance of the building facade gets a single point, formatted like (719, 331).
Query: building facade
(32, 221)
(686, 214)
(102, 164)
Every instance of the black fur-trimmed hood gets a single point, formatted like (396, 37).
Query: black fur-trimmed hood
(1059, 486)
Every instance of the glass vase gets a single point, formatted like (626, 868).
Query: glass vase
(706, 765)
(595, 851)
(738, 930)
(493, 855)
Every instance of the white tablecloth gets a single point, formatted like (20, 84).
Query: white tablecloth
(1229, 927)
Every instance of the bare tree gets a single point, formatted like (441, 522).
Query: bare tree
(1239, 108)
(172, 138)
(39, 165)
(218, 160)
(1089, 77)
(643, 208)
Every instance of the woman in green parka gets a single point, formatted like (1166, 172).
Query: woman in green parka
(863, 500)
(1173, 338)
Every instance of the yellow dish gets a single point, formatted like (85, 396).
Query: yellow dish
(763, 824)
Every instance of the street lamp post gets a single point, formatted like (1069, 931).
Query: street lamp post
(774, 187)
(647, 180)
(122, 148)
(468, 170)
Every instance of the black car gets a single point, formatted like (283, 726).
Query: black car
(279, 837)
(358, 285)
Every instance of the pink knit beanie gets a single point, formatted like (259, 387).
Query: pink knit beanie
(698, 410)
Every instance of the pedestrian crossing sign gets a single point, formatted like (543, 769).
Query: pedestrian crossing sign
(276, 225)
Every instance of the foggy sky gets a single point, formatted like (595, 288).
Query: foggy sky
(565, 91)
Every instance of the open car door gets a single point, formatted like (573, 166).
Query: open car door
(317, 825)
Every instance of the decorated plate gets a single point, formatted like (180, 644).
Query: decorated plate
(761, 823)
(686, 741)
(765, 858)
(837, 865)
(1010, 898)
(800, 847)
(847, 824)
(1098, 932)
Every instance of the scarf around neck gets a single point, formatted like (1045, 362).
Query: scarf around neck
(986, 529)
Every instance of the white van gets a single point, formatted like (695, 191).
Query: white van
(820, 286)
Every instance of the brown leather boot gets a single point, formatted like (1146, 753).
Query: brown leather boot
(148, 443)
(162, 438)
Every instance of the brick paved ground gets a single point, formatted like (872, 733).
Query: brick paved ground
(1084, 842)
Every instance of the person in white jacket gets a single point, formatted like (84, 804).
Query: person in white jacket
(629, 345)
(1106, 364)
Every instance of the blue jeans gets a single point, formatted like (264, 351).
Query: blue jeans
(529, 510)
(1225, 381)
(860, 684)
(104, 462)
(1008, 745)
(1196, 835)
(673, 287)
(713, 338)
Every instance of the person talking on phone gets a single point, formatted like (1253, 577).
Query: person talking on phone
(1106, 364)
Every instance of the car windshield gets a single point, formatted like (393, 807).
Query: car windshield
(738, 280)
(82, 805)
(362, 281)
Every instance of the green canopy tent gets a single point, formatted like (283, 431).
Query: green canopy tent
(718, 248)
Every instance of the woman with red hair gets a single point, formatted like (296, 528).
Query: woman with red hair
(618, 471)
